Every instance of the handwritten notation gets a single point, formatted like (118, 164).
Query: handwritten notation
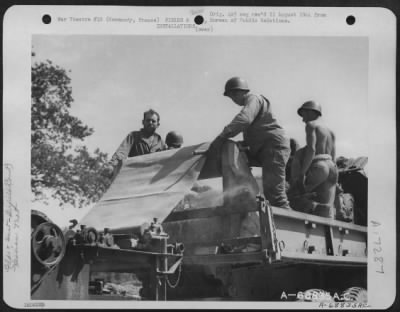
(377, 247)
(11, 222)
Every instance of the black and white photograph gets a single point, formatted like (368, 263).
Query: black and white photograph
(175, 164)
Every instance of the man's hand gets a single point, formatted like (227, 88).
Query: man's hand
(108, 169)
(112, 167)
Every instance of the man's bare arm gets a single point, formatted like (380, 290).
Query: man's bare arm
(309, 152)
(333, 147)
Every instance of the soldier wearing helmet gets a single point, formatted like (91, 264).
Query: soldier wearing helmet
(173, 140)
(315, 170)
(266, 139)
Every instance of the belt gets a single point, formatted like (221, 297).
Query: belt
(322, 157)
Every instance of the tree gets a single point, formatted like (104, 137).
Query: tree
(70, 173)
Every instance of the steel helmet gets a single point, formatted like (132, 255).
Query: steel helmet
(174, 139)
(312, 106)
(236, 83)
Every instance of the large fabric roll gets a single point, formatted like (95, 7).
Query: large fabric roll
(147, 187)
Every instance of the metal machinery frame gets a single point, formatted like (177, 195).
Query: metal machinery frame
(287, 251)
(62, 261)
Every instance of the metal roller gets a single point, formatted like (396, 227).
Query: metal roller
(90, 235)
(135, 231)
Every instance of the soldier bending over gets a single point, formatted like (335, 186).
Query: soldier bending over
(266, 139)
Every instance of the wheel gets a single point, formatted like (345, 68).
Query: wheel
(37, 218)
(48, 244)
(355, 294)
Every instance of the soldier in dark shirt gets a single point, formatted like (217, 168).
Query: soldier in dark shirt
(144, 141)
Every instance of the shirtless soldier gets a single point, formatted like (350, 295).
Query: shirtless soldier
(315, 170)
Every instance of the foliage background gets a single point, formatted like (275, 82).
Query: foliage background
(59, 166)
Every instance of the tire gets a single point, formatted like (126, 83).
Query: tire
(355, 294)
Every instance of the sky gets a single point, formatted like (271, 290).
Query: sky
(114, 79)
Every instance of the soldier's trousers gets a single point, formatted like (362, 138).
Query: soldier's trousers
(321, 178)
(273, 161)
